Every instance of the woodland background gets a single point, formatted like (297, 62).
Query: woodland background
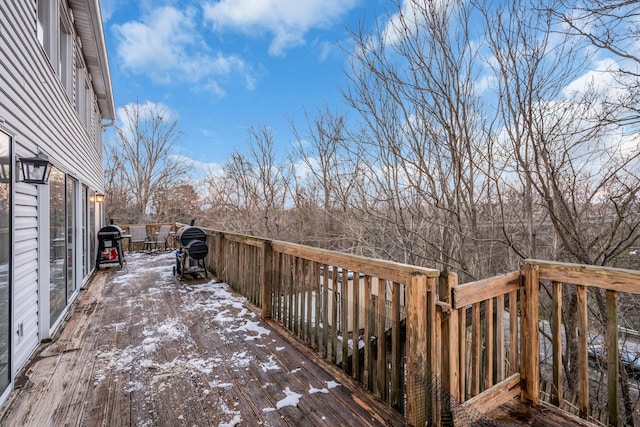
(426, 163)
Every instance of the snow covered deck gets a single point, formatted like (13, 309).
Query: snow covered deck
(143, 348)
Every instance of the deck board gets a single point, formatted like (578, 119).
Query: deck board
(143, 348)
(514, 413)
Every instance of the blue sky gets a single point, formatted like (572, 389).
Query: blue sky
(221, 66)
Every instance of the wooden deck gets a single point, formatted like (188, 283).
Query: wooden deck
(142, 348)
(514, 413)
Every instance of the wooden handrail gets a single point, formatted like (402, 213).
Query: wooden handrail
(388, 270)
(615, 279)
(467, 294)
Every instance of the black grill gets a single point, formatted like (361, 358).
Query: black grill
(109, 246)
(192, 251)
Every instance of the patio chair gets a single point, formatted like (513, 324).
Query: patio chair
(163, 236)
(139, 235)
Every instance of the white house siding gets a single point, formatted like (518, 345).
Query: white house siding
(25, 274)
(37, 112)
(35, 105)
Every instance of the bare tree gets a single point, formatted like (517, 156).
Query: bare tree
(143, 164)
(272, 180)
(330, 165)
(251, 192)
(118, 199)
(177, 203)
(413, 85)
(572, 166)
(569, 161)
(608, 25)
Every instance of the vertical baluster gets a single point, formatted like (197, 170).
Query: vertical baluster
(475, 349)
(325, 310)
(488, 344)
(308, 298)
(334, 315)
(583, 362)
(613, 356)
(556, 344)
(500, 352)
(396, 353)
(344, 322)
(381, 368)
(513, 332)
(369, 325)
(356, 326)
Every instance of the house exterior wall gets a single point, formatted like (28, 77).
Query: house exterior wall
(54, 100)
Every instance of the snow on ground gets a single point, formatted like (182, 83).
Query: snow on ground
(225, 313)
(291, 399)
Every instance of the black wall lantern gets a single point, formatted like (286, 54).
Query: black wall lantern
(35, 170)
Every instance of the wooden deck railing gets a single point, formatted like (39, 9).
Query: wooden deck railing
(375, 319)
(432, 348)
(480, 324)
(499, 350)
(587, 283)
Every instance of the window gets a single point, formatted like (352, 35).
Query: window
(80, 102)
(55, 32)
(85, 102)
(65, 53)
(42, 26)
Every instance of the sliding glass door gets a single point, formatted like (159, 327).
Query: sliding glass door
(58, 239)
(5, 260)
(62, 226)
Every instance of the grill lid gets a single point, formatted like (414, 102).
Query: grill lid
(188, 233)
(110, 231)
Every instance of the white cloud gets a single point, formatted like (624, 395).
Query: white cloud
(286, 20)
(325, 50)
(166, 45)
(304, 168)
(215, 88)
(147, 110)
(601, 78)
(107, 7)
(200, 169)
(413, 14)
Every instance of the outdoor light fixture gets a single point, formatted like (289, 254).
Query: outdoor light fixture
(5, 169)
(35, 170)
(99, 197)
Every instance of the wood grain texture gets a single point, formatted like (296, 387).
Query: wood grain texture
(143, 348)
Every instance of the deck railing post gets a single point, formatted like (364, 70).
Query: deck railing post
(218, 236)
(417, 351)
(529, 344)
(450, 342)
(434, 346)
(267, 279)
